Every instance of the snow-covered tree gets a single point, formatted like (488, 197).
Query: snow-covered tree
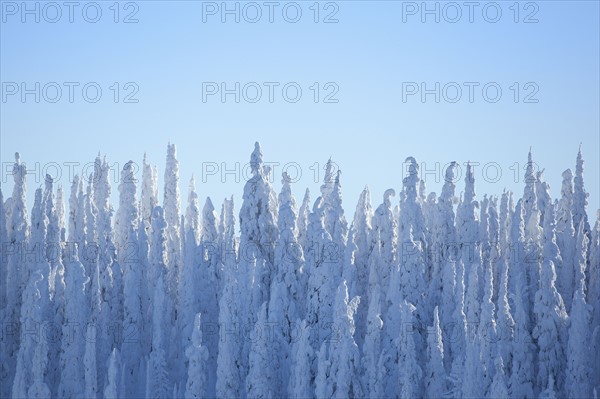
(443, 278)
(344, 354)
(498, 388)
(565, 239)
(39, 388)
(373, 339)
(72, 379)
(323, 380)
(411, 241)
(114, 364)
(435, 376)
(487, 331)
(261, 380)
(579, 372)
(229, 378)
(3, 259)
(593, 297)
(17, 270)
(321, 271)
(149, 195)
(552, 319)
(410, 371)
(89, 366)
(133, 281)
(172, 211)
(197, 354)
(158, 374)
(190, 279)
(522, 379)
(473, 379)
(287, 286)
(542, 189)
(302, 222)
(109, 270)
(580, 197)
(360, 231)
(384, 238)
(301, 383)
(533, 230)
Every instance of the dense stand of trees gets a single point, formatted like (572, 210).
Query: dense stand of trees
(438, 296)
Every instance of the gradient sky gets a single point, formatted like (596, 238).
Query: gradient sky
(367, 54)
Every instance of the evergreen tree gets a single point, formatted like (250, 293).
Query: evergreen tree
(579, 372)
(197, 355)
(360, 231)
(301, 385)
(344, 354)
(580, 197)
(114, 364)
(72, 379)
(435, 377)
(552, 319)
(229, 361)
(410, 371)
(17, 270)
(498, 388)
(522, 379)
(565, 239)
(261, 380)
(172, 212)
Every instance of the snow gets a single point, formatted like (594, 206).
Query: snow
(417, 297)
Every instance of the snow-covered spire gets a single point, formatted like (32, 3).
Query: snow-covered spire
(302, 221)
(551, 319)
(580, 196)
(197, 354)
(360, 232)
(127, 214)
(256, 160)
(579, 372)
(411, 372)
(522, 379)
(17, 270)
(149, 195)
(328, 180)
(192, 213)
(435, 377)
(344, 355)
(499, 388)
(303, 356)
(72, 379)
(530, 193)
(384, 236)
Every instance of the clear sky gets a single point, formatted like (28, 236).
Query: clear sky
(373, 57)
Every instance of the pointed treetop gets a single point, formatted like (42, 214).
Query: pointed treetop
(450, 175)
(390, 192)
(285, 178)
(171, 150)
(469, 184)
(208, 205)
(256, 159)
(306, 195)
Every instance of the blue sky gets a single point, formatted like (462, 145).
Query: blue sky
(370, 57)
